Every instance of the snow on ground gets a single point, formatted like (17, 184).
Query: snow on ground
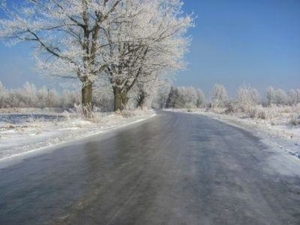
(24, 133)
(279, 134)
(276, 130)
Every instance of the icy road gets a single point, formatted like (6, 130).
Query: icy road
(172, 169)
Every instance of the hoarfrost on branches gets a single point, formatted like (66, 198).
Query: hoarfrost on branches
(124, 39)
(66, 34)
(219, 96)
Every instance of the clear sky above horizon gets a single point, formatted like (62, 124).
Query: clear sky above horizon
(235, 42)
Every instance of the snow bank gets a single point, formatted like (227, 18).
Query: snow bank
(275, 132)
(23, 134)
(276, 129)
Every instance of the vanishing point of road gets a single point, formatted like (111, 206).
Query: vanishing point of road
(172, 169)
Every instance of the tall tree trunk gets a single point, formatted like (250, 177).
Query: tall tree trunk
(141, 100)
(120, 99)
(125, 100)
(117, 99)
(87, 95)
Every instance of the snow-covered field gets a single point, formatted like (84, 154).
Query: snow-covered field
(27, 133)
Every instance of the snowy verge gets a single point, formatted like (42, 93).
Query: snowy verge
(276, 132)
(22, 134)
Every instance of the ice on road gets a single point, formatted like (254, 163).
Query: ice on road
(171, 169)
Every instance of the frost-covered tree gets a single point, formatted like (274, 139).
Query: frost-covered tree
(200, 98)
(280, 97)
(22, 97)
(191, 98)
(219, 96)
(161, 95)
(54, 98)
(172, 98)
(67, 35)
(276, 96)
(294, 96)
(149, 43)
(185, 97)
(103, 98)
(153, 92)
(247, 97)
(145, 93)
(69, 99)
(42, 97)
(271, 95)
(82, 39)
(30, 96)
(2, 95)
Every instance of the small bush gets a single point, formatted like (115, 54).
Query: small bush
(128, 113)
(295, 120)
(218, 110)
(230, 109)
(258, 112)
(263, 114)
(252, 113)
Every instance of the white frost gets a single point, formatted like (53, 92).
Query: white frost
(25, 138)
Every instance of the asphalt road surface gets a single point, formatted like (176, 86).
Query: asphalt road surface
(172, 169)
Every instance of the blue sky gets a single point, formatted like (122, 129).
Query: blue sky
(235, 42)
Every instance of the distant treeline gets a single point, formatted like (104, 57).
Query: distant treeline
(161, 97)
(31, 97)
(189, 97)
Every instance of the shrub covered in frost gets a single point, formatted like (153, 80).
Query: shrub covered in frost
(295, 119)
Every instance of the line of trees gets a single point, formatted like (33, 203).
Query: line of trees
(31, 97)
(125, 44)
(246, 97)
(159, 96)
(185, 97)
